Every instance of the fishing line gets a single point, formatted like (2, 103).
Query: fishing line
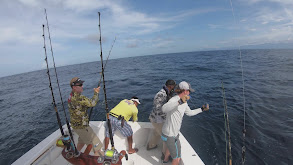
(101, 74)
(107, 59)
(227, 127)
(67, 122)
(243, 91)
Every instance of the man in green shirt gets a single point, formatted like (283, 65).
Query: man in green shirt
(78, 106)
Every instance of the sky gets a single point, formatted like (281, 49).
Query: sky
(140, 27)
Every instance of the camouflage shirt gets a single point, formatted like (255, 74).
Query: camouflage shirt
(162, 97)
(78, 106)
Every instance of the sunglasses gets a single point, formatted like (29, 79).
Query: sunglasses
(80, 85)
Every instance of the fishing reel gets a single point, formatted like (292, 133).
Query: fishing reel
(111, 157)
(66, 142)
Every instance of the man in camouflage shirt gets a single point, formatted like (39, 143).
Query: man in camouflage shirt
(157, 116)
(78, 106)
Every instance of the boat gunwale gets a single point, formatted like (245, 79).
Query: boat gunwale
(37, 152)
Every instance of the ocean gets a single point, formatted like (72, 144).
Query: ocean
(27, 115)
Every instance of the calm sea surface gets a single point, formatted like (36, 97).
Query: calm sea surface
(27, 115)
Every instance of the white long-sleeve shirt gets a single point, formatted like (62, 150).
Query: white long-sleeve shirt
(175, 113)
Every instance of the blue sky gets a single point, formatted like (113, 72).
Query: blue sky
(141, 28)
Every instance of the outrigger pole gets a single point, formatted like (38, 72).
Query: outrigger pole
(67, 122)
(102, 75)
(50, 85)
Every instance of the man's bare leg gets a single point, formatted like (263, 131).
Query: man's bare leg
(88, 149)
(130, 149)
(176, 161)
(106, 142)
(98, 153)
(80, 146)
(167, 155)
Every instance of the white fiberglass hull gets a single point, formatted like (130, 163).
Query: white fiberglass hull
(46, 152)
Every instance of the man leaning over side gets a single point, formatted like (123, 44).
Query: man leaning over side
(119, 116)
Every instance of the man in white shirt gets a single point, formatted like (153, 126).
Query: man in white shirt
(175, 109)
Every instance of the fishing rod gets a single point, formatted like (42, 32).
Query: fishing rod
(101, 74)
(113, 153)
(67, 122)
(104, 87)
(50, 85)
(243, 91)
(111, 156)
(227, 127)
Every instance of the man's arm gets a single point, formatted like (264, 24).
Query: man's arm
(190, 112)
(171, 105)
(159, 101)
(89, 102)
(134, 117)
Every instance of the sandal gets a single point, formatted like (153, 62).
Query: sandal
(148, 148)
(135, 151)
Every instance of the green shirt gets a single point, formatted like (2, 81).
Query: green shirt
(78, 106)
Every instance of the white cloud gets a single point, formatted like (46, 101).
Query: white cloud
(273, 35)
(84, 5)
(252, 29)
(213, 26)
(163, 43)
(281, 2)
(284, 2)
(72, 22)
(70, 19)
(243, 20)
(13, 35)
(31, 3)
(169, 42)
(268, 21)
(266, 16)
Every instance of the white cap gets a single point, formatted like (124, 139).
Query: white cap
(186, 86)
(136, 100)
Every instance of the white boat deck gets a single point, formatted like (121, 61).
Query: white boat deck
(46, 152)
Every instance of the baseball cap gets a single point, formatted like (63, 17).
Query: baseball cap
(75, 80)
(186, 86)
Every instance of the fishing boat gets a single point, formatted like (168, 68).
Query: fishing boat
(46, 152)
(59, 148)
